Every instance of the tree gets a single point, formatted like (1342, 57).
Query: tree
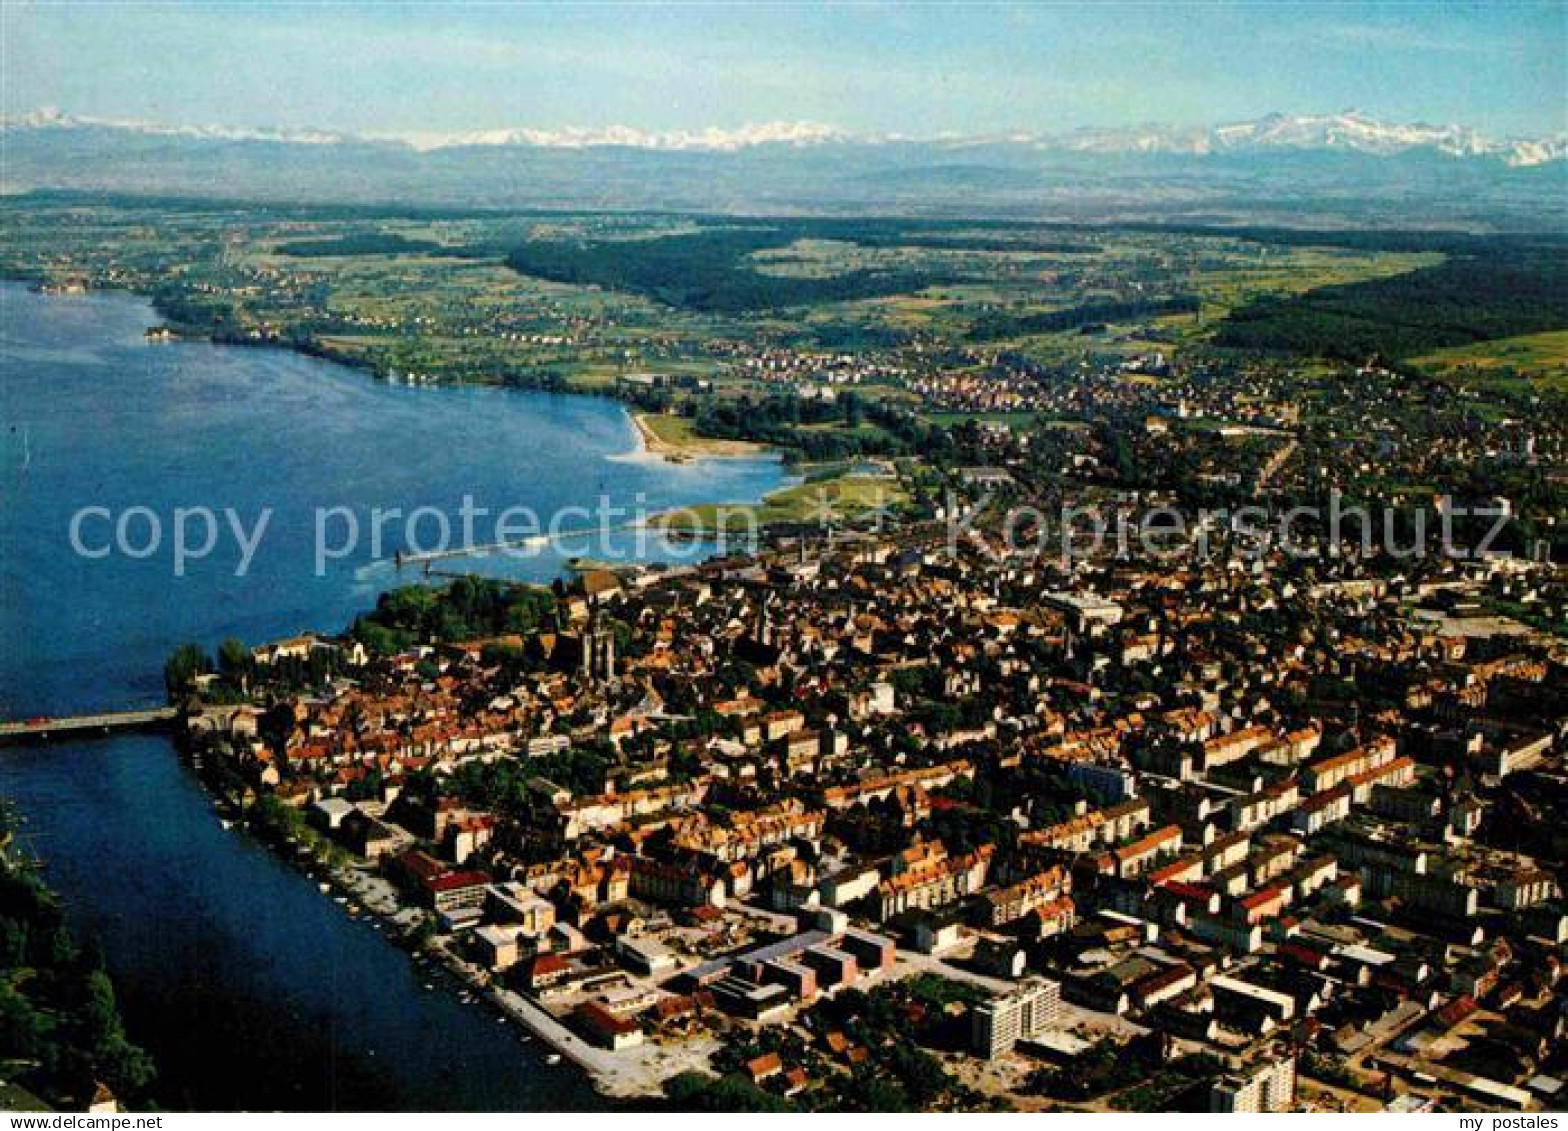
(22, 1028)
(423, 933)
(692, 1091)
(878, 1093)
(182, 668)
(923, 1076)
(233, 657)
(57, 1005)
(378, 638)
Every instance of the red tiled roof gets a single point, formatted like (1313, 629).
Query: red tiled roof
(596, 1017)
(1190, 893)
(455, 880)
(765, 1065)
(1456, 1011)
(421, 865)
(545, 964)
(1305, 955)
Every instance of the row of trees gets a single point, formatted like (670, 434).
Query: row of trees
(996, 326)
(189, 662)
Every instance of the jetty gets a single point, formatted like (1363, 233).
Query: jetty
(531, 542)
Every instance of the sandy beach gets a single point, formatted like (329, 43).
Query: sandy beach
(684, 445)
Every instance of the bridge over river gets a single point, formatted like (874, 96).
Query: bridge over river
(82, 726)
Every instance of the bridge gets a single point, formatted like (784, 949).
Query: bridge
(86, 726)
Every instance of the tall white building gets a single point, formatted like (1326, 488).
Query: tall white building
(1266, 1087)
(1021, 1015)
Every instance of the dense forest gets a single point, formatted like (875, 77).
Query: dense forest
(710, 270)
(1080, 317)
(707, 270)
(871, 428)
(59, 1022)
(1497, 293)
(370, 243)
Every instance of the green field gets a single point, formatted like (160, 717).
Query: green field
(838, 340)
(825, 502)
(573, 301)
(677, 436)
(1519, 362)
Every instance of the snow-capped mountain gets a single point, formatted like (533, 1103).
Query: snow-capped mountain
(1331, 169)
(712, 139)
(51, 119)
(1349, 131)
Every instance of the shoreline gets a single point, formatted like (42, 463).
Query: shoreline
(651, 443)
(362, 894)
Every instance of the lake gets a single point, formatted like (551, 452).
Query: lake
(253, 990)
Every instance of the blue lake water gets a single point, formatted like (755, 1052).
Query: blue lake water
(252, 989)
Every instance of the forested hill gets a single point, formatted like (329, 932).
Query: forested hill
(1491, 290)
(59, 1022)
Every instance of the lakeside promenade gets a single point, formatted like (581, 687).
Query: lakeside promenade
(635, 1073)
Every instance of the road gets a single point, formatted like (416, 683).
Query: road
(104, 721)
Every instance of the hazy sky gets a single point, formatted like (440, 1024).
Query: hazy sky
(911, 69)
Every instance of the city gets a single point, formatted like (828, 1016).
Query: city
(681, 810)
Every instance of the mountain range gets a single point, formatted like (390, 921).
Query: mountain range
(1322, 168)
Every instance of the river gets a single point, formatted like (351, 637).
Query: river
(251, 989)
